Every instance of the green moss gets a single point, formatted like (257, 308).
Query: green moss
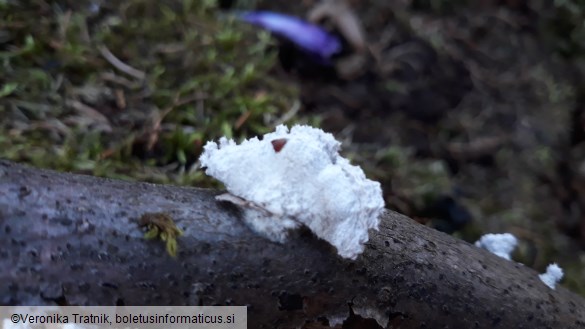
(420, 181)
(189, 74)
(161, 226)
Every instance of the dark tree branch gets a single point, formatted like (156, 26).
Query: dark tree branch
(72, 239)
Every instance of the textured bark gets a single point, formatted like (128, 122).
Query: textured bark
(72, 239)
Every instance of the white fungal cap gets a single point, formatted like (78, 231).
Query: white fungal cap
(552, 276)
(500, 244)
(298, 177)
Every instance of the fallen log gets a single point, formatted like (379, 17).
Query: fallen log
(76, 240)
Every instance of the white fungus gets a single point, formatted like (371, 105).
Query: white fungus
(500, 244)
(552, 276)
(297, 177)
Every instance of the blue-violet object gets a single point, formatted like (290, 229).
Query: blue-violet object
(309, 37)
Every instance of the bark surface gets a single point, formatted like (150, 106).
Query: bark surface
(75, 240)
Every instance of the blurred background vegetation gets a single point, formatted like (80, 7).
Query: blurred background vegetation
(478, 127)
(131, 89)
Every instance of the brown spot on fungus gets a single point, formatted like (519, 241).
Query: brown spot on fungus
(278, 144)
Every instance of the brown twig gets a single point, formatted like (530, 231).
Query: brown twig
(118, 64)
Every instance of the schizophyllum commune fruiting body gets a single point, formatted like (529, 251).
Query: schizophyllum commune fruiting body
(499, 244)
(552, 276)
(297, 177)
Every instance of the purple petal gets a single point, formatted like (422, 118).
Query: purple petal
(308, 36)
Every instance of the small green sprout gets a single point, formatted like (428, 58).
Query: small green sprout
(161, 225)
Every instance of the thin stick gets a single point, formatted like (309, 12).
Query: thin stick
(117, 63)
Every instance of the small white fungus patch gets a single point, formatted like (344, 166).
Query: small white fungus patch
(297, 177)
(500, 244)
(552, 276)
